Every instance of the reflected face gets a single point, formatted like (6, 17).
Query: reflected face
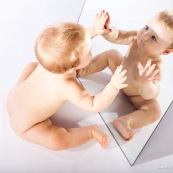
(154, 38)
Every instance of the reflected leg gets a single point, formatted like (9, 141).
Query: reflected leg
(147, 112)
(111, 58)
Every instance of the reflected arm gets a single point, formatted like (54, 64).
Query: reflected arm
(119, 36)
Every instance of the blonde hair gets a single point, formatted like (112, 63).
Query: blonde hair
(59, 47)
(166, 17)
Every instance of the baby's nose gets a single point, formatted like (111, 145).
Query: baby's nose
(145, 37)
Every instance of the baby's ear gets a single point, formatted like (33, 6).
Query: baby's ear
(167, 51)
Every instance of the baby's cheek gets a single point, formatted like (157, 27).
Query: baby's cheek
(151, 50)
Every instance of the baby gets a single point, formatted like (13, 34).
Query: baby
(143, 64)
(46, 85)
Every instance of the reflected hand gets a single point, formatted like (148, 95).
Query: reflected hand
(101, 23)
(148, 72)
(119, 78)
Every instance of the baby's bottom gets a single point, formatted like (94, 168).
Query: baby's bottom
(147, 112)
(59, 138)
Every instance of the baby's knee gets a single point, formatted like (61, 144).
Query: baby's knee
(114, 59)
(113, 52)
(58, 142)
(155, 113)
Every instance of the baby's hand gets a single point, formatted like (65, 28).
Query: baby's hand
(101, 23)
(147, 73)
(119, 78)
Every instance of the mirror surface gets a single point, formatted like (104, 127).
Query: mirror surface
(126, 15)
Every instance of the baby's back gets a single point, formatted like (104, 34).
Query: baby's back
(34, 99)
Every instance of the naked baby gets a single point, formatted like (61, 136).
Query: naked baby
(44, 87)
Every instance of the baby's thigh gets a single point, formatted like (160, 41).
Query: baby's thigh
(151, 107)
(38, 133)
(140, 103)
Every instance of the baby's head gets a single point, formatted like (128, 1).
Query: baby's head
(61, 47)
(156, 37)
(167, 18)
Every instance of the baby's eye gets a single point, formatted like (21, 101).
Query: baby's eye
(146, 28)
(153, 38)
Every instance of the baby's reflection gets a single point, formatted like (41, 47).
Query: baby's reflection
(143, 64)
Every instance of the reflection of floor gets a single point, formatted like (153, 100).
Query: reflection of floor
(160, 143)
(120, 106)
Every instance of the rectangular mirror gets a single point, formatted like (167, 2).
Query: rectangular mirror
(126, 15)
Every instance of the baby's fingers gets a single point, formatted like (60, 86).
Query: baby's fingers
(139, 65)
(155, 72)
(148, 64)
(152, 78)
(119, 69)
(123, 79)
(102, 16)
(140, 68)
(107, 21)
(151, 69)
(123, 85)
(99, 14)
(122, 73)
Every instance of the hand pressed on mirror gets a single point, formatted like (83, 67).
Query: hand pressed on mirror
(143, 61)
(99, 26)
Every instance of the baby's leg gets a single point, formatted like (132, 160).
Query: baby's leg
(111, 58)
(147, 112)
(27, 71)
(58, 138)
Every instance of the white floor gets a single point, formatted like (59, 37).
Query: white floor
(20, 24)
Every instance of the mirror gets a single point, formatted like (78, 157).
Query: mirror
(126, 15)
(154, 148)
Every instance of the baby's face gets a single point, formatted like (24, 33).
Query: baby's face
(154, 38)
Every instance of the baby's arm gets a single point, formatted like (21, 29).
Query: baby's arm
(27, 71)
(149, 80)
(118, 36)
(80, 97)
(99, 26)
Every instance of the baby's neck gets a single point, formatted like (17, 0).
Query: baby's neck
(56, 75)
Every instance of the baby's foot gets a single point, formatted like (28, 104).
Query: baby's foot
(101, 137)
(123, 127)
